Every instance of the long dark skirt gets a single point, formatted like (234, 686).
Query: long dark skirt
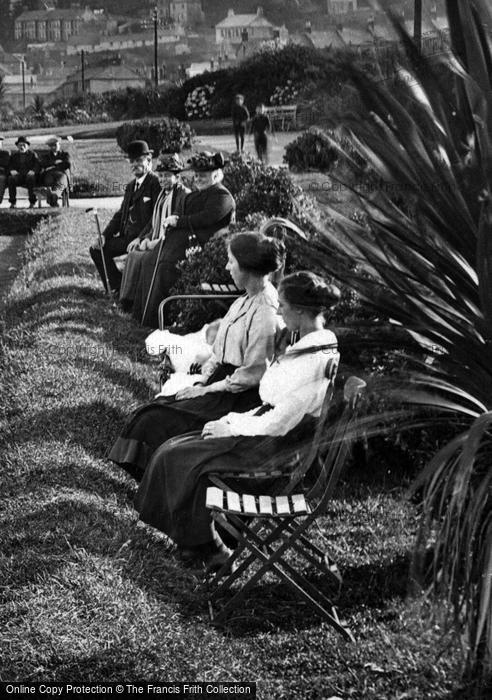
(154, 423)
(165, 278)
(172, 494)
(132, 274)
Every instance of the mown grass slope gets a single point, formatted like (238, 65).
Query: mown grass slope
(87, 594)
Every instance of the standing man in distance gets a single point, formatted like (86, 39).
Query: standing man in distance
(133, 215)
(260, 127)
(240, 117)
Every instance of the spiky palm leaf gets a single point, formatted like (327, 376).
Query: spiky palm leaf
(428, 268)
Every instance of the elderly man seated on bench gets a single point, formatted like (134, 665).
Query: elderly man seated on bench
(24, 167)
(55, 171)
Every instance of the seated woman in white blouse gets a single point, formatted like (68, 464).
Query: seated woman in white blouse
(230, 378)
(172, 494)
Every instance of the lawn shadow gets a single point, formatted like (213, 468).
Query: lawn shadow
(114, 328)
(95, 420)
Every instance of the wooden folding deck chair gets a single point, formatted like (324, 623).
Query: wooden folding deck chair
(268, 528)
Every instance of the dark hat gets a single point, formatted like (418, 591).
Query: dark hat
(170, 163)
(205, 160)
(22, 139)
(135, 149)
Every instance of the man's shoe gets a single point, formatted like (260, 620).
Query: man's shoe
(12, 206)
(32, 205)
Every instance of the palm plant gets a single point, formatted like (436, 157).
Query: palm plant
(424, 262)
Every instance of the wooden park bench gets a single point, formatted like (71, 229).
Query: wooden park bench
(283, 117)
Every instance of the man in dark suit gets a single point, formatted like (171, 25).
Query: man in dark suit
(55, 171)
(4, 169)
(24, 167)
(134, 215)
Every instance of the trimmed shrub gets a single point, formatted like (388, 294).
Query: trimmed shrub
(273, 193)
(168, 135)
(241, 170)
(312, 149)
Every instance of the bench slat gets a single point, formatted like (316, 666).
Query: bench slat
(266, 505)
(249, 504)
(215, 497)
(233, 502)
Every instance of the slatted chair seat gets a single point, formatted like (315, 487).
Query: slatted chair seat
(259, 506)
(268, 528)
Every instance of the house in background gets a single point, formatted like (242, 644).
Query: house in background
(234, 29)
(51, 25)
(100, 79)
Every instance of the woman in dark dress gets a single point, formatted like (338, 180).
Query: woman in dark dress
(229, 379)
(206, 211)
(172, 494)
(151, 243)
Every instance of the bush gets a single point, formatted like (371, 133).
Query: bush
(285, 95)
(241, 170)
(312, 149)
(197, 103)
(168, 135)
(273, 193)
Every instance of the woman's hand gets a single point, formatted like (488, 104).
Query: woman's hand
(216, 429)
(191, 392)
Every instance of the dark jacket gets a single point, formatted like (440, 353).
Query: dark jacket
(260, 124)
(59, 161)
(4, 162)
(136, 209)
(23, 162)
(240, 114)
(206, 212)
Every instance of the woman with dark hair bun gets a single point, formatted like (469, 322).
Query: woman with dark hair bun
(172, 494)
(229, 379)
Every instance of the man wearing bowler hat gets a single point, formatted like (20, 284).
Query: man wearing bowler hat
(4, 168)
(134, 214)
(24, 167)
(55, 170)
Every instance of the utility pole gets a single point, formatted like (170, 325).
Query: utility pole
(156, 64)
(23, 83)
(82, 66)
(417, 23)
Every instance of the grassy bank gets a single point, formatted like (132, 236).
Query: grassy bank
(88, 594)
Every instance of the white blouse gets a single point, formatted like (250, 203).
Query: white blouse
(246, 336)
(295, 385)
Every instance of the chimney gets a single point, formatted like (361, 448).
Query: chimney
(308, 26)
(259, 12)
(433, 11)
(230, 13)
(370, 24)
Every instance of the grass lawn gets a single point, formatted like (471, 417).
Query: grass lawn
(89, 594)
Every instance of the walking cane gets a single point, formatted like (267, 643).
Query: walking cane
(154, 275)
(101, 244)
